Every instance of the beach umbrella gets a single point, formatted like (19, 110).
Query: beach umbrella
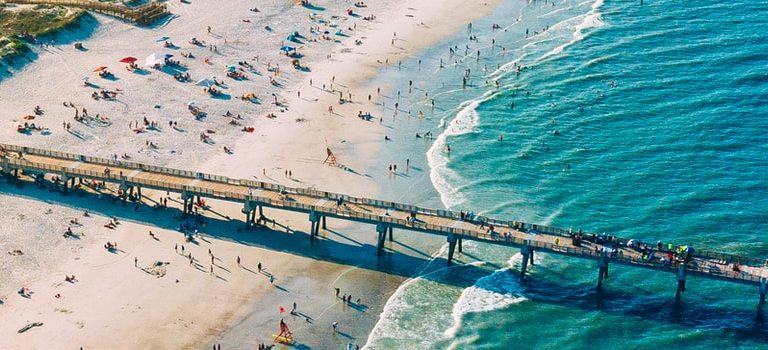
(287, 48)
(191, 103)
(100, 68)
(205, 83)
(128, 59)
(231, 68)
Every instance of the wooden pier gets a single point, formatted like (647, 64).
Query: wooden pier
(143, 15)
(70, 170)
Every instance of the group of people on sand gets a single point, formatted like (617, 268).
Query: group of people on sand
(105, 94)
(182, 77)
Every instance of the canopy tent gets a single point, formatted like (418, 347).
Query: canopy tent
(205, 82)
(156, 58)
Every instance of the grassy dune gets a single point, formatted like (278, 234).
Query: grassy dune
(32, 21)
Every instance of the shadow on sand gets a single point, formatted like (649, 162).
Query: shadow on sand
(545, 287)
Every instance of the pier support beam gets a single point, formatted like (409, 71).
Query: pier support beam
(391, 230)
(324, 227)
(186, 201)
(763, 289)
(680, 281)
(602, 271)
(451, 248)
(65, 183)
(460, 251)
(381, 229)
(525, 251)
(314, 225)
(531, 254)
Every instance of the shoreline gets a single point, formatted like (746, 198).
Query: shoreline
(358, 151)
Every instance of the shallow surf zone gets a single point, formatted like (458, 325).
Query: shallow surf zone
(495, 291)
(438, 156)
(429, 310)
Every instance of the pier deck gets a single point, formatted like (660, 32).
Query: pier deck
(386, 215)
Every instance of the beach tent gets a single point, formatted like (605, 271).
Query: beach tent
(205, 82)
(156, 58)
(129, 59)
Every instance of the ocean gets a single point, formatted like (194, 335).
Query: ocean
(642, 120)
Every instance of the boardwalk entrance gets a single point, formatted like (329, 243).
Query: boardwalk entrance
(143, 15)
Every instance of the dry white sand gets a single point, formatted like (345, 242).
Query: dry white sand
(116, 305)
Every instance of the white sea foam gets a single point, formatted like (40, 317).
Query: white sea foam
(465, 122)
(493, 292)
(397, 307)
(592, 19)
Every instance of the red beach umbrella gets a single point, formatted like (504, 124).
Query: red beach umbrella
(100, 68)
(129, 59)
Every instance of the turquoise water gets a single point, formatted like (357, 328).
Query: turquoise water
(641, 121)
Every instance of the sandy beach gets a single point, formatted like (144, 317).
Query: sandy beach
(124, 299)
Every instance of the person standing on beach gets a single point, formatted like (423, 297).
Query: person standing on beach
(334, 325)
(136, 261)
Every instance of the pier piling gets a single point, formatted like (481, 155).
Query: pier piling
(525, 251)
(381, 229)
(602, 272)
(451, 248)
(314, 225)
(680, 282)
